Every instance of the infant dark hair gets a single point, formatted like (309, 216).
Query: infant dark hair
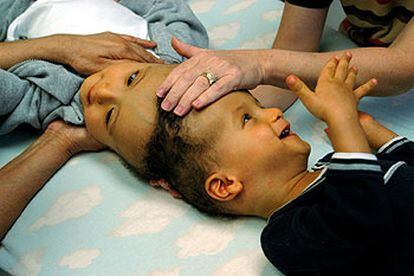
(184, 162)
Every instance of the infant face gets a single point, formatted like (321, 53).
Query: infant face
(250, 140)
(119, 105)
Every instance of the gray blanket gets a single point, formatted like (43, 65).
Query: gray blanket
(37, 92)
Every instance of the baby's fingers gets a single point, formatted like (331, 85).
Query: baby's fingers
(299, 88)
(329, 69)
(351, 78)
(364, 89)
(342, 68)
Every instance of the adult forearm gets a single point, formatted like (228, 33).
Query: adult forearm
(48, 48)
(272, 96)
(300, 24)
(24, 176)
(392, 67)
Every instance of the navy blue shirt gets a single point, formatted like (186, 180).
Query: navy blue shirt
(357, 218)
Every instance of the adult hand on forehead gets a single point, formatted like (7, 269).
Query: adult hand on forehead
(88, 54)
(187, 86)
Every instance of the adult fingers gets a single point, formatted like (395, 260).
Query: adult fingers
(154, 183)
(167, 186)
(328, 71)
(351, 78)
(342, 68)
(140, 54)
(364, 89)
(217, 90)
(142, 42)
(174, 75)
(180, 87)
(299, 88)
(184, 106)
(184, 49)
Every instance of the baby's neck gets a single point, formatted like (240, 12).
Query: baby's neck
(296, 187)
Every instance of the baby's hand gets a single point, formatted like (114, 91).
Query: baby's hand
(334, 95)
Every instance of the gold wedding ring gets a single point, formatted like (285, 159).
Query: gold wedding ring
(210, 77)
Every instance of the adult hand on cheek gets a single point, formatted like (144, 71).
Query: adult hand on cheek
(88, 54)
(25, 175)
(188, 86)
(74, 139)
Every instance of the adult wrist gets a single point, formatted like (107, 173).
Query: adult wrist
(61, 142)
(263, 67)
(54, 48)
(271, 74)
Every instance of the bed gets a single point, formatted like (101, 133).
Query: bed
(95, 218)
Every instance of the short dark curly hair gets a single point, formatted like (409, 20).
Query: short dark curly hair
(184, 162)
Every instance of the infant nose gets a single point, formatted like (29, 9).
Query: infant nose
(274, 114)
(104, 93)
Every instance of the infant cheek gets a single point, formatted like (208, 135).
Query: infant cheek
(92, 124)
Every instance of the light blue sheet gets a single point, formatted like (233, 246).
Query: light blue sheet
(95, 218)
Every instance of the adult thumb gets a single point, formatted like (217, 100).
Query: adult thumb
(184, 49)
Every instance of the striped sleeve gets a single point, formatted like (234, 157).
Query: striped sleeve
(392, 145)
(335, 224)
(398, 149)
(354, 161)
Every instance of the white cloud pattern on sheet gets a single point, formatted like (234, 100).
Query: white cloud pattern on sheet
(29, 264)
(261, 42)
(248, 263)
(272, 15)
(241, 5)
(150, 215)
(166, 272)
(207, 237)
(80, 259)
(70, 205)
(220, 34)
(202, 6)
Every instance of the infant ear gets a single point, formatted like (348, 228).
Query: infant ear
(222, 187)
(166, 186)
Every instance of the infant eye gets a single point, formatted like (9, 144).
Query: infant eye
(246, 118)
(132, 78)
(108, 116)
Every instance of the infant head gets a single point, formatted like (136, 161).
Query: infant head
(232, 157)
(119, 105)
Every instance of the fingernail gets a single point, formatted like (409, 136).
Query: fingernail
(160, 92)
(179, 110)
(291, 79)
(375, 81)
(349, 54)
(197, 103)
(166, 105)
(337, 58)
